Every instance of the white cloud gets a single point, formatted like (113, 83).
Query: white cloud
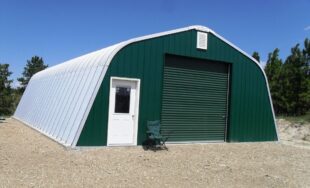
(15, 84)
(263, 64)
(307, 28)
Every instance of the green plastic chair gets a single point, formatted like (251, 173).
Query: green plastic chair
(155, 139)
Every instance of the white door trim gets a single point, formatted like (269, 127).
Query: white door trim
(136, 121)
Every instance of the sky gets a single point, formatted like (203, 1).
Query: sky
(59, 30)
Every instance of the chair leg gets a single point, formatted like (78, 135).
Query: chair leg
(164, 145)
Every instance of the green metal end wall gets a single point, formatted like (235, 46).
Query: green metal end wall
(250, 113)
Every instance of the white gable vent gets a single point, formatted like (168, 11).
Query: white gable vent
(202, 40)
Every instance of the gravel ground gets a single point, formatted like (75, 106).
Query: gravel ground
(29, 159)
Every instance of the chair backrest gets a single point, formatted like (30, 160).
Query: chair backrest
(154, 127)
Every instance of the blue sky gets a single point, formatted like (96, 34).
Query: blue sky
(59, 30)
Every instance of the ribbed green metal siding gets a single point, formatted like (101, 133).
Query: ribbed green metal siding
(250, 115)
(194, 103)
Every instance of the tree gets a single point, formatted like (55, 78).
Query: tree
(306, 72)
(33, 66)
(297, 88)
(306, 54)
(273, 71)
(255, 55)
(5, 90)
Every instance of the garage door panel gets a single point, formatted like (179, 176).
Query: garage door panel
(193, 127)
(171, 72)
(194, 102)
(199, 78)
(211, 99)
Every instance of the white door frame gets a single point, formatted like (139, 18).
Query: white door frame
(135, 136)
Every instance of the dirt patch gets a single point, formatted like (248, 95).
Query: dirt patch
(29, 159)
(294, 133)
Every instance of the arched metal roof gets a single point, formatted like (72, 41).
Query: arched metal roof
(57, 100)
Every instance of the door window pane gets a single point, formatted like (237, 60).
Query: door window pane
(122, 100)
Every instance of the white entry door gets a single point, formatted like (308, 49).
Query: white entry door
(123, 111)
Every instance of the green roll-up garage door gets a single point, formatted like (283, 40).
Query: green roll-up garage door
(194, 103)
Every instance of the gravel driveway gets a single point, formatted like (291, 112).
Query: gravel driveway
(29, 159)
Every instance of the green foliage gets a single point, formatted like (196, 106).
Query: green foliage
(302, 119)
(306, 54)
(16, 96)
(290, 81)
(256, 56)
(33, 66)
(273, 72)
(6, 91)
(296, 83)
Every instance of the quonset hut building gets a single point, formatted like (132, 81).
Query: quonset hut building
(201, 87)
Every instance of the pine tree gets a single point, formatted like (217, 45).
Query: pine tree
(273, 72)
(306, 70)
(33, 66)
(296, 83)
(256, 56)
(306, 54)
(6, 99)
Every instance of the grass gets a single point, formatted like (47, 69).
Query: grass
(3, 118)
(298, 119)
